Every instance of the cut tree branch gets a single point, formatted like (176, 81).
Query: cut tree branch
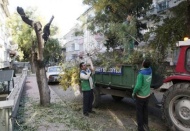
(24, 17)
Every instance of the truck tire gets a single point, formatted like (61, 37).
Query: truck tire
(176, 107)
(97, 98)
(117, 98)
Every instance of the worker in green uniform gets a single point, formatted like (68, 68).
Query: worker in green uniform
(87, 88)
(141, 93)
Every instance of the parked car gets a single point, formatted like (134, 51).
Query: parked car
(53, 73)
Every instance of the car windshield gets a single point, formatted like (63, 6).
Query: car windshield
(54, 69)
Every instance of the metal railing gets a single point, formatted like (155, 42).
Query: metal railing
(9, 107)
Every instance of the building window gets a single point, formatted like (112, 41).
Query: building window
(162, 6)
(72, 47)
(74, 56)
(76, 46)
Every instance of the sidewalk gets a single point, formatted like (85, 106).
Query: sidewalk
(31, 90)
(31, 116)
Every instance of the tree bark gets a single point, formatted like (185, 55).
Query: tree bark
(43, 87)
(40, 68)
(32, 62)
(188, 18)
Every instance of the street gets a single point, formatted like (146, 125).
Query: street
(114, 115)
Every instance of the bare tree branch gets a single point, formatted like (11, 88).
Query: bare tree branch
(24, 17)
(46, 30)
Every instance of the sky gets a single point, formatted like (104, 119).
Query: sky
(65, 12)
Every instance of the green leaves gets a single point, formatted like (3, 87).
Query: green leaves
(22, 34)
(169, 26)
(52, 51)
(172, 29)
(110, 19)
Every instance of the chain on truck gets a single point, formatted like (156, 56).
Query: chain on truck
(175, 102)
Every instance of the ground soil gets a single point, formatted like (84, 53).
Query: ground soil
(65, 113)
(112, 115)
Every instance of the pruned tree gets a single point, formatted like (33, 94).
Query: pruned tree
(118, 20)
(46, 30)
(44, 90)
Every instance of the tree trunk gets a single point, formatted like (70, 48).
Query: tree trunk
(40, 68)
(38, 59)
(32, 62)
(188, 18)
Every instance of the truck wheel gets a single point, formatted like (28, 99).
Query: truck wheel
(97, 98)
(176, 107)
(117, 98)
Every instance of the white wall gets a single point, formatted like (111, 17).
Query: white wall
(91, 41)
(4, 39)
(73, 44)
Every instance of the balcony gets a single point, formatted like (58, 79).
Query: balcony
(162, 6)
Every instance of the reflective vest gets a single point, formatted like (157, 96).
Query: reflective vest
(85, 84)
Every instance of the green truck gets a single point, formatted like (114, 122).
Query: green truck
(119, 83)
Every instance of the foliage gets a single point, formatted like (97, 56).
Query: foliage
(52, 51)
(32, 117)
(119, 35)
(54, 30)
(109, 59)
(117, 9)
(172, 29)
(118, 58)
(21, 34)
(170, 25)
(70, 76)
(79, 33)
(110, 19)
(110, 16)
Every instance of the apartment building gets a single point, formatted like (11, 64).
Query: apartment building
(159, 6)
(4, 35)
(79, 40)
(92, 42)
(73, 44)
